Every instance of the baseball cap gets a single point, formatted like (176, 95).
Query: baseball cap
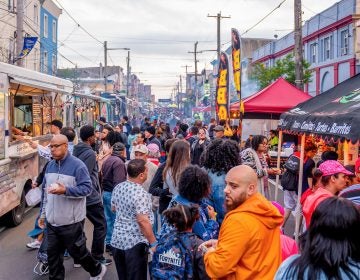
(331, 167)
(357, 166)
(219, 128)
(56, 123)
(153, 150)
(142, 149)
(118, 147)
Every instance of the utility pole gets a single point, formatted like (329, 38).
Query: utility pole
(218, 17)
(195, 61)
(127, 74)
(186, 77)
(299, 75)
(19, 31)
(105, 65)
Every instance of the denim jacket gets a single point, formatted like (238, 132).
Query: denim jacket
(205, 228)
(217, 195)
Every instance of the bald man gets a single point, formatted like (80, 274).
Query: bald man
(67, 183)
(249, 241)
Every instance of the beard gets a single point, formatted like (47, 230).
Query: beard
(235, 203)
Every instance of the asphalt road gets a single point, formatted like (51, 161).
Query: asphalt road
(17, 262)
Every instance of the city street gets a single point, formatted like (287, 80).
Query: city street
(17, 262)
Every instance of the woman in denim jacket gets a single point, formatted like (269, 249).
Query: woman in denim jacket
(219, 157)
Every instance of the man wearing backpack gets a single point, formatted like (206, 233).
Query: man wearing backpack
(289, 180)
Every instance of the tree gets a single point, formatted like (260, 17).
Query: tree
(283, 68)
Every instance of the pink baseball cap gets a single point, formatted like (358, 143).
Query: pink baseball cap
(331, 167)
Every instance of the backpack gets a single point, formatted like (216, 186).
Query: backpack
(290, 178)
(174, 257)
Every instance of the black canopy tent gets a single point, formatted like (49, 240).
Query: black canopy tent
(332, 114)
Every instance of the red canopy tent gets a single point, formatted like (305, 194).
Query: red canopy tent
(276, 98)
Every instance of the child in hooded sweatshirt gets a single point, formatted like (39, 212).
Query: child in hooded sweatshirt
(177, 255)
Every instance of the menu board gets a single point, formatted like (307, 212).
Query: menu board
(36, 114)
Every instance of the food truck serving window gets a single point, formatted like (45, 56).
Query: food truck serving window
(28, 115)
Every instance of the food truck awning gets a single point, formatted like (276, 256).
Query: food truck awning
(38, 87)
(85, 95)
(332, 114)
(35, 82)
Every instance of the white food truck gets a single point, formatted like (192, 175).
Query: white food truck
(29, 101)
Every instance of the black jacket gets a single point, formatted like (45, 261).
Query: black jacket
(86, 154)
(157, 188)
(113, 172)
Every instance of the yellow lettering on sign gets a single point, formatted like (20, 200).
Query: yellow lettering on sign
(221, 96)
(237, 80)
(236, 59)
(222, 113)
(222, 79)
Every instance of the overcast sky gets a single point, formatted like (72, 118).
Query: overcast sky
(161, 32)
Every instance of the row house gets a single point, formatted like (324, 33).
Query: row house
(330, 44)
(40, 20)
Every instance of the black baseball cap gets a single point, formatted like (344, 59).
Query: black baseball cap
(56, 123)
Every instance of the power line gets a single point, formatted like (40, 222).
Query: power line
(87, 32)
(262, 19)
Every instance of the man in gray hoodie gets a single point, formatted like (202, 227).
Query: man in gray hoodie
(94, 205)
(67, 183)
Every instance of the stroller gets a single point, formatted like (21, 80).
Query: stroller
(42, 266)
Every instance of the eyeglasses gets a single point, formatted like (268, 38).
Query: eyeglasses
(56, 145)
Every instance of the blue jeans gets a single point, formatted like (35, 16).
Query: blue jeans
(109, 216)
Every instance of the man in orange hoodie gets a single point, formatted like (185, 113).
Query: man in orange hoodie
(249, 241)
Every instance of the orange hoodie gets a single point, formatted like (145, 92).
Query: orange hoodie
(249, 242)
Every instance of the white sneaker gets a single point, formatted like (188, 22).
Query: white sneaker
(77, 265)
(34, 245)
(101, 274)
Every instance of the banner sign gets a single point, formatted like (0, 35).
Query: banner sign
(222, 86)
(29, 43)
(236, 64)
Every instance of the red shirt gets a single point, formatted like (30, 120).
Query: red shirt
(312, 201)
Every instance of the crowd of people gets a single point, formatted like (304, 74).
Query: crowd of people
(191, 203)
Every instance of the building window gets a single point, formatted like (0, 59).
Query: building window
(313, 51)
(53, 64)
(46, 26)
(36, 14)
(54, 31)
(344, 44)
(327, 48)
(11, 5)
(45, 62)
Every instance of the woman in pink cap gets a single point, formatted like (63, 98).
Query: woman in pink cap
(333, 181)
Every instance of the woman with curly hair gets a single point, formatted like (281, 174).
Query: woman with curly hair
(178, 159)
(331, 246)
(219, 157)
(194, 187)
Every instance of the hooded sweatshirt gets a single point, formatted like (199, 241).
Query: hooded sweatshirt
(86, 154)
(249, 242)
